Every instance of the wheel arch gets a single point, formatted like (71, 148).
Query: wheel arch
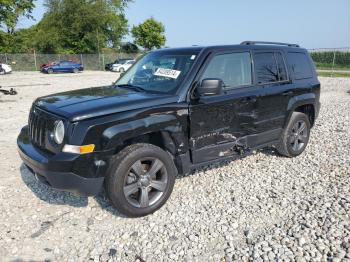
(305, 104)
(164, 130)
(309, 110)
(161, 139)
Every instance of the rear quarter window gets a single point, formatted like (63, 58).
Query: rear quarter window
(300, 66)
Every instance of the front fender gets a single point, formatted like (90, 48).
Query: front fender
(172, 125)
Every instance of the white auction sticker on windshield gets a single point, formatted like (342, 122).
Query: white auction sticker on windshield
(167, 73)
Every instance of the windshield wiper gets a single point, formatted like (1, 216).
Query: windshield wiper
(132, 87)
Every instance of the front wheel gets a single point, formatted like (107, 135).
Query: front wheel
(295, 136)
(121, 70)
(140, 179)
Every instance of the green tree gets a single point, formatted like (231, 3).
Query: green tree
(11, 10)
(81, 26)
(149, 34)
(129, 48)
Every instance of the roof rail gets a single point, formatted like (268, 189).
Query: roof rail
(267, 43)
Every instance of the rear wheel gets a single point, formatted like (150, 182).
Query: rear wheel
(50, 71)
(295, 136)
(140, 180)
(75, 70)
(121, 70)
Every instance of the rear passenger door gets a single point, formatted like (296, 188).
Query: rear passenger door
(272, 78)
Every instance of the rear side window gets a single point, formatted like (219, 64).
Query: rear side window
(233, 69)
(300, 65)
(265, 68)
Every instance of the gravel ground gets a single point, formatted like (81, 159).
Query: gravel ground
(263, 207)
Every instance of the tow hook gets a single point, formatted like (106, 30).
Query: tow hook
(242, 150)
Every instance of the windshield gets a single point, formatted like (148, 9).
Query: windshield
(159, 71)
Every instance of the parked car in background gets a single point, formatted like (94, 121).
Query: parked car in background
(45, 65)
(123, 67)
(5, 69)
(62, 67)
(108, 67)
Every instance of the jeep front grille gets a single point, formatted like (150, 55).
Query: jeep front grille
(39, 126)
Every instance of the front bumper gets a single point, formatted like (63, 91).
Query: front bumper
(56, 171)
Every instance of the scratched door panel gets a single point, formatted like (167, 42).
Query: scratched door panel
(219, 120)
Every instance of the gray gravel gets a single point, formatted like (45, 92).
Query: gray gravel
(263, 207)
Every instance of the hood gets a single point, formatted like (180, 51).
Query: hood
(97, 101)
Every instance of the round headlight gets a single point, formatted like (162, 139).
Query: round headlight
(58, 133)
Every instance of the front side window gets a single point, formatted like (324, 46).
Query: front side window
(160, 72)
(233, 69)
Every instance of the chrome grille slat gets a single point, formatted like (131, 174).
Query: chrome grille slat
(42, 134)
(36, 128)
(39, 131)
(32, 129)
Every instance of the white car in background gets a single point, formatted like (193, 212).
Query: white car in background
(5, 69)
(121, 68)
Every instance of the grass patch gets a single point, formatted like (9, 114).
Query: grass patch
(334, 74)
(325, 66)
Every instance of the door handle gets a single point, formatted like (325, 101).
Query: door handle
(249, 99)
(288, 93)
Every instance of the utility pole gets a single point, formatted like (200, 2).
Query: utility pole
(35, 63)
(98, 50)
(333, 64)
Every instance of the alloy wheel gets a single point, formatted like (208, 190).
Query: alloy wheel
(145, 182)
(299, 135)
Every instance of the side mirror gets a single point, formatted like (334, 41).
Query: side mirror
(210, 86)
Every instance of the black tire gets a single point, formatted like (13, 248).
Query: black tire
(50, 71)
(2, 72)
(121, 177)
(75, 70)
(293, 142)
(121, 70)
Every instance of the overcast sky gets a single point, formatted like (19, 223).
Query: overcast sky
(310, 23)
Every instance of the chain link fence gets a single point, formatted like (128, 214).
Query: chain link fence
(32, 62)
(326, 59)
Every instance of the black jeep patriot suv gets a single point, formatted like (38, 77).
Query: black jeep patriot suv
(174, 110)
